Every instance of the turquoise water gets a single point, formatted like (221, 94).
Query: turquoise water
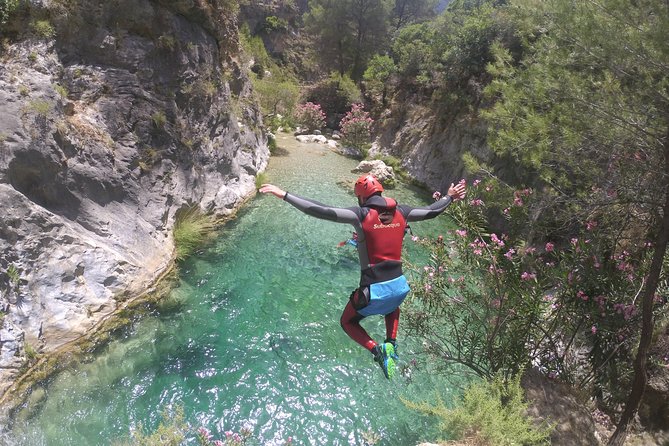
(252, 337)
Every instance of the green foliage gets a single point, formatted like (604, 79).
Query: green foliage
(62, 91)
(261, 179)
(171, 431)
(191, 229)
(415, 52)
(159, 119)
(506, 302)
(349, 32)
(378, 74)
(254, 48)
(43, 28)
(167, 42)
(276, 97)
(336, 95)
(13, 274)
(31, 353)
(406, 12)
(271, 144)
(7, 7)
(275, 24)
(40, 107)
(492, 413)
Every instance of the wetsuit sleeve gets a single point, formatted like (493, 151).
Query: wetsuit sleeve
(427, 212)
(323, 211)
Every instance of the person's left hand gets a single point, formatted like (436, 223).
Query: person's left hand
(458, 191)
(272, 189)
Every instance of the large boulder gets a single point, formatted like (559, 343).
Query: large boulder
(379, 169)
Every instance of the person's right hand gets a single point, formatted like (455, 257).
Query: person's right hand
(272, 189)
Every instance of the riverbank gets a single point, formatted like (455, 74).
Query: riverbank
(18, 394)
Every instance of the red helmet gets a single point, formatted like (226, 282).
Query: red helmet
(366, 186)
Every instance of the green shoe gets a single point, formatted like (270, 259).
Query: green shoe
(395, 356)
(386, 359)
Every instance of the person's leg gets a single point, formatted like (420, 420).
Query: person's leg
(350, 322)
(392, 324)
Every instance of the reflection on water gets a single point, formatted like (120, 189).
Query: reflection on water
(251, 337)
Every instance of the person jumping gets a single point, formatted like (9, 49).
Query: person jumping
(380, 224)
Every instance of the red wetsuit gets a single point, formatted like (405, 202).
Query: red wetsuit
(380, 225)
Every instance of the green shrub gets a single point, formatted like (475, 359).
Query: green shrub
(261, 179)
(13, 274)
(62, 91)
(171, 432)
(271, 144)
(336, 95)
(43, 28)
(159, 119)
(6, 9)
(490, 412)
(40, 107)
(191, 229)
(274, 23)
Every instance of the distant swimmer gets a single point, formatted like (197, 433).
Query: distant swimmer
(380, 224)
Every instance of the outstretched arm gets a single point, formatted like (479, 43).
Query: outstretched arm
(455, 192)
(313, 208)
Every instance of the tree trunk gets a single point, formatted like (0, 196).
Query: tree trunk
(648, 297)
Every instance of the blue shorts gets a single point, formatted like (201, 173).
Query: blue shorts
(385, 297)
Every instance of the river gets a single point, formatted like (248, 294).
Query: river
(252, 337)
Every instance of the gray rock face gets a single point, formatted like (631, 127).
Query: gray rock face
(430, 150)
(135, 110)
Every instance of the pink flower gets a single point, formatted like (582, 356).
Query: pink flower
(517, 201)
(528, 276)
(478, 251)
(509, 254)
(581, 295)
(436, 195)
(593, 329)
(550, 247)
(461, 232)
(476, 183)
(477, 202)
(496, 240)
(574, 241)
(204, 433)
(414, 238)
(590, 225)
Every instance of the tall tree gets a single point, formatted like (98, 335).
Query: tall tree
(349, 32)
(406, 12)
(588, 110)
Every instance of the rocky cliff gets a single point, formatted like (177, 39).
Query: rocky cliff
(113, 116)
(429, 144)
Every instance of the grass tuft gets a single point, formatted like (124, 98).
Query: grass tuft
(191, 229)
